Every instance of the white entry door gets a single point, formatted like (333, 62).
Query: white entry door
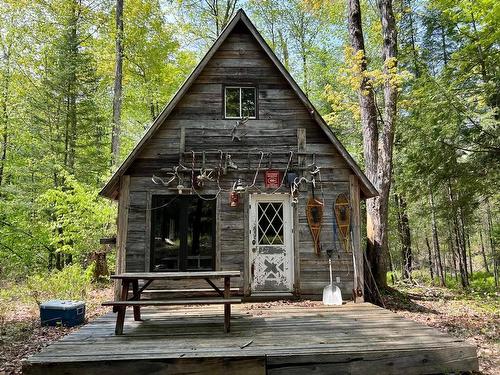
(271, 243)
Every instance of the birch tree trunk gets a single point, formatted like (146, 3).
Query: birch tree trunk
(118, 85)
(377, 141)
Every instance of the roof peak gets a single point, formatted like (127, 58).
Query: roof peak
(112, 185)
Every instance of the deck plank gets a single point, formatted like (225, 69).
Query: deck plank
(282, 339)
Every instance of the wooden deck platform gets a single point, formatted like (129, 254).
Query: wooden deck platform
(271, 339)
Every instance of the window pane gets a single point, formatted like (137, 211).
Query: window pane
(166, 233)
(248, 102)
(232, 102)
(270, 223)
(200, 231)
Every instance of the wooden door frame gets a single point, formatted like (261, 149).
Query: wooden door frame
(290, 243)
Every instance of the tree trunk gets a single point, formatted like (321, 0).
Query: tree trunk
(443, 46)
(429, 258)
(405, 236)
(72, 90)
(494, 255)
(435, 239)
(391, 268)
(284, 49)
(305, 71)
(377, 150)
(5, 115)
(483, 253)
(117, 92)
(460, 251)
(461, 228)
(451, 250)
(467, 237)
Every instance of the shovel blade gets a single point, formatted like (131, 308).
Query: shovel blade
(332, 295)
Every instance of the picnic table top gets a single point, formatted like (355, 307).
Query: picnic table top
(176, 275)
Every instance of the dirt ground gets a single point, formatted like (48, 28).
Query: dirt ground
(22, 334)
(477, 322)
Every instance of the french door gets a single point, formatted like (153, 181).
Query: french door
(182, 233)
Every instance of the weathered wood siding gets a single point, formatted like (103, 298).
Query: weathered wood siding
(241, 61)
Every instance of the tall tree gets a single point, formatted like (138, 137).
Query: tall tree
(118, 85)
(378, 136)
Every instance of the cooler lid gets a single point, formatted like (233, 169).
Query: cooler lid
(59, 304)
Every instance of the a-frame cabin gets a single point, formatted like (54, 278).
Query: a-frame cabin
(261, 231)
(223, 178)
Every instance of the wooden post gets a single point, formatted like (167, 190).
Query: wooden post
(137, 296)
(227, 306)
(147, 233)
(302, 147)
(120, 319)
(356, 235)
(121, 237)
(246, 245)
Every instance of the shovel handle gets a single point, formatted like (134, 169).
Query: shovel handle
(330, 265)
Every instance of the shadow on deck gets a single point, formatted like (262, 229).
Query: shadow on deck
(265, 339)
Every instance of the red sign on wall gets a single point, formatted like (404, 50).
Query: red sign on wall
(272, 179)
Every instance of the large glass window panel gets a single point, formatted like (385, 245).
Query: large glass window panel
(248, 102)
(200, 235)
(232, 102)
(166, 239)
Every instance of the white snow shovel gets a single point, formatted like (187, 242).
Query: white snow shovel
(331, 293)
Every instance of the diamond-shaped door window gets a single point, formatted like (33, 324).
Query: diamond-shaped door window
(270, 223)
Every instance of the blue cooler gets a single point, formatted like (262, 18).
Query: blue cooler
(61, 312)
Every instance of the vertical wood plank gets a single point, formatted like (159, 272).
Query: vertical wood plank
(218, 223)
(296, 249)
(120, 319)
(356, 233)
(121, 236)
(147, 233)
(302, 147)
(135, 291)
(227, 306)
(182, 143)
(246, 244)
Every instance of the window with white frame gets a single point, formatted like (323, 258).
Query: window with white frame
(240, 102)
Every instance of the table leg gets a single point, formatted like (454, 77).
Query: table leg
(120, 319)
(137, 296)
(227, 306)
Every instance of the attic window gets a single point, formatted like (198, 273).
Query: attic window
(239, 102)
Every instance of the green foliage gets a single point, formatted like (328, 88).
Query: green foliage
(75, 217)
(56, 86)
(73, 283)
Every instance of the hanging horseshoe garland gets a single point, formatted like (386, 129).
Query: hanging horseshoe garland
(343, 218)
(314, 211)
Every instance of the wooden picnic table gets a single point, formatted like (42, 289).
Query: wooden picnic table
(135, 301)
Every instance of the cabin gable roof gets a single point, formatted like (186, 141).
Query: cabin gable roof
(111, 188)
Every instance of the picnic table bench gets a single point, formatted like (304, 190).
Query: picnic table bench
(132, 279)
